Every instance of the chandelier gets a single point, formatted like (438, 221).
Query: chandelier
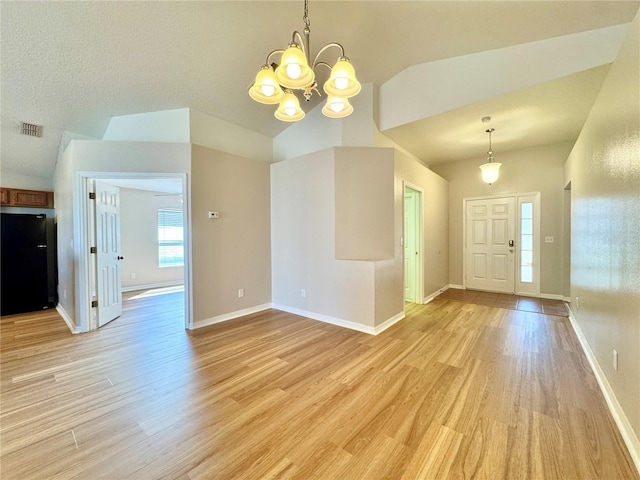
(277, 83)
(491, 169)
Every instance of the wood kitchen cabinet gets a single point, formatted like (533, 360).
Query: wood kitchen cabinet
(14, 197)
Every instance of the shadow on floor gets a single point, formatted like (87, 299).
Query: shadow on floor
(503, 300)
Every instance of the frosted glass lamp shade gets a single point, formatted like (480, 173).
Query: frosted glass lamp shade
(289, 109)
(265, 88)
(337, 107)
(294, 71)
(342, 81)
(490, 172)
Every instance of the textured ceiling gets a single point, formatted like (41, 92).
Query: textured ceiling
(70, 66)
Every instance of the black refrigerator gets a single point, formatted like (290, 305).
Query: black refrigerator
(25, 272)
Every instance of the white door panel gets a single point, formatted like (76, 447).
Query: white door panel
(413, 245)
(489, 263)
(409, 247)
(109, 282)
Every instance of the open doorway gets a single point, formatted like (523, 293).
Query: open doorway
(151, 241)
(413, 244)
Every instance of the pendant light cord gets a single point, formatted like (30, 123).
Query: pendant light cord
(490, 152)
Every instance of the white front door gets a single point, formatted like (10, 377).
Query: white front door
(108, 281)
(489, 244)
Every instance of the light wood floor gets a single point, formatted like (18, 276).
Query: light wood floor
(454, 391)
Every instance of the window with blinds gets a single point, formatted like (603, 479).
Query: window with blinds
(170, 238)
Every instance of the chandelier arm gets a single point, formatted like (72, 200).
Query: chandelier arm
(271, 54)
(324, 64)
(299, 40)
(328, 45)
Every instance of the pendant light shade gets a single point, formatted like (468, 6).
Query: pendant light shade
(490, 172)
(289, 109)
(337, 107)
(265, 88)
(343, 81)
(294, 71)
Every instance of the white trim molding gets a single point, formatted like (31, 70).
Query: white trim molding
(149, 286)
(231, 315)
(340, 322)
(429, 298)
(626, 430)
(67, 319)
(328, 319)
(388, 323)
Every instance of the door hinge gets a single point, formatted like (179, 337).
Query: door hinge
(94, 250)
(94, 304)
(92, 196)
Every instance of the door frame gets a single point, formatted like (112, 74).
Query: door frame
(533, 197)
(83, 231)
(420, 243)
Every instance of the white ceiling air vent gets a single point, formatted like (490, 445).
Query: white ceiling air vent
(30, 129)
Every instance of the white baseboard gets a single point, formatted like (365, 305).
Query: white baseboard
(388, 323)
(457, 287)
(147, 286)
(67, 319)
(230, 316)
(340, 322)
(553, 296)
(626, 430)
(328, 319)
(429, 298)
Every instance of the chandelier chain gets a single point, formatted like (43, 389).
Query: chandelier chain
(305, 17)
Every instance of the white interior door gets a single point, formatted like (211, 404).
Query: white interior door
(409, 249)
(490, 236)
(411, 244)
(108, 281)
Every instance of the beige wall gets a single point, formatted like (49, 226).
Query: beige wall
(604, 170)
(436, 213)
(98, 156)
(308, 196)
(139, 238)
(303, 245)
(538, 169)
(233, 251)
(363, 203)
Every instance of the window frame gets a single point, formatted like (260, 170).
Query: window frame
(178, 222)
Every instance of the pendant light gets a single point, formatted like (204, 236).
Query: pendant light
(491, 169)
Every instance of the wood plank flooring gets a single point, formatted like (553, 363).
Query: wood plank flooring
(454, 391)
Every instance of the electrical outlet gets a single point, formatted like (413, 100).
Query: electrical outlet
(64, 294)
(615, 359)
(577, 303)
(548, 239)
(241, 293)
(133, 276)
(214, 214)
(303, 293)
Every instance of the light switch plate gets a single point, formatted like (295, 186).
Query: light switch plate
(214, 214)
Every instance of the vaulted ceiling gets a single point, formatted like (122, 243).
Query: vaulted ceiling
(71, 66)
